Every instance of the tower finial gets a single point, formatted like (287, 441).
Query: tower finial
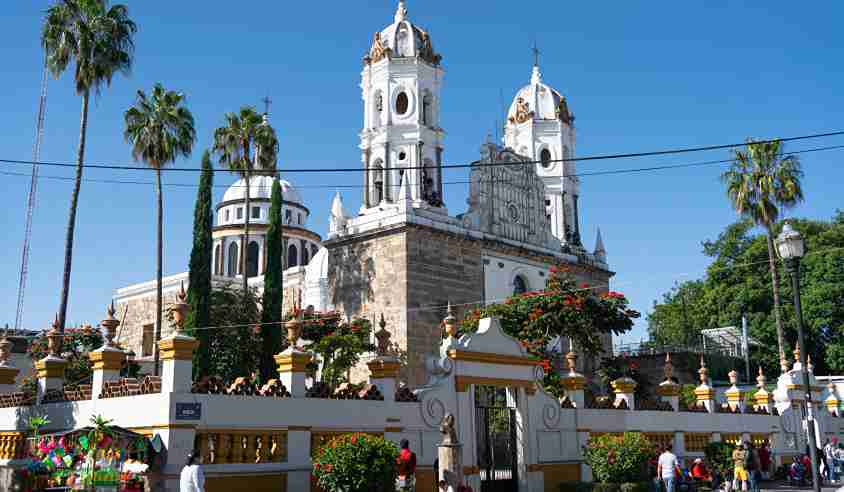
(401, 12)
(536, 54)
(267, 103)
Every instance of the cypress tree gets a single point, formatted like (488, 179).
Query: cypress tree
(199, 276)
(273, 289)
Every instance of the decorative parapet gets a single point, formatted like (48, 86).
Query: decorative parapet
(735, 396)
(221, 447)
(704, 393)
(762, 398)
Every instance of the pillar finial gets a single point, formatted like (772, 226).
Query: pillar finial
(668, 369)
(180, 309)
(448, 323)
(383, 337)
(110, 324)
(760, 379)
(54, 339)
(703, 371)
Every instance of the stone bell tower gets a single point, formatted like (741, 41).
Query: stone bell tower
(401, 140)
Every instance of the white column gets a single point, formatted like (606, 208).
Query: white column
(177, 363)
(299, 455)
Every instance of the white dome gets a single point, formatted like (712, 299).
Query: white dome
(261, 187)
(402, 39)
(317, 269)
(538, 101)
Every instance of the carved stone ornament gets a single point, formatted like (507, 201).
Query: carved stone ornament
(447, 430)
(523, 112)
(54, 339)
(563, 113)
(383, 337)
(426, 51)
(109, 325)
(668, 369)
(378, 51)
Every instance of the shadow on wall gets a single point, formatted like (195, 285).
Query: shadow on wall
(350, 278)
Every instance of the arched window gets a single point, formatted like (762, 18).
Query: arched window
(427, 110)
(252, 259)
(218, 259)
(233, 260)
(314, 250)
(305, 255)
(519, 285)
(292, 256)
(402, 103)
(545, 158)
(377, 183)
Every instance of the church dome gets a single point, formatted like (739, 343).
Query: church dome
(317, 269)
(402, 39)
(539, 101)
(261, 187)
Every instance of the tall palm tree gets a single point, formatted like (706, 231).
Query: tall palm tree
(761, 183)
(99, 39)
(246, 132)
(160, 129)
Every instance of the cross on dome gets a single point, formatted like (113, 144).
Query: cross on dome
(401, 12)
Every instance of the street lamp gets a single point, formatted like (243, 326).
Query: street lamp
(790, 247)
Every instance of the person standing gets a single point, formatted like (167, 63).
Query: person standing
(739, 464)
(407, 468)
(192, 479)
(751, 465)
(667, 468)
(765, 460)
(829, 458)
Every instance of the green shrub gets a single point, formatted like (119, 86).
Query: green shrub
(636, 487)
(576, 487)
(357, 463)
(619, 459)
(719, 456)
(606, 487)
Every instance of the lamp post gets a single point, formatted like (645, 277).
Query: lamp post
(790, 247)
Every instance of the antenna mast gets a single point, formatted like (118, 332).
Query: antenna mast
(30, 203)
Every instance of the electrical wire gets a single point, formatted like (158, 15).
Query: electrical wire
(444, 166)
(351, 186)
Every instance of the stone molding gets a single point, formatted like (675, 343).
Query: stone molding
(107, 360)
(462, 383)
(292, 361)
(381, 369)
(177, 348)
(489, 358)
(50, 367)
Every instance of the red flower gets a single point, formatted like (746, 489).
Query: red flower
(546, 365)
(354, 440)
(316, 466)
(328, 467)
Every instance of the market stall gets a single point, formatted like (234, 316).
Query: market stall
(102, 458)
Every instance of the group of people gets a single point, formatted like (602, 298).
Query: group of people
(749, 467)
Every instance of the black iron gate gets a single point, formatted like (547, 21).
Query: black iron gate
(497, 456)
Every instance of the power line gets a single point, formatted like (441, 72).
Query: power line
(445, 166)
(350, 186)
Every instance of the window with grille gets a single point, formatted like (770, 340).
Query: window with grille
(695, 442)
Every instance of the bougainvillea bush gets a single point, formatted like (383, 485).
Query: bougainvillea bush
(357, 463)
(619, 459)
(564, 309)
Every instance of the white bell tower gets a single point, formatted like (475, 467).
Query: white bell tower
(401, 140)
(540, 127)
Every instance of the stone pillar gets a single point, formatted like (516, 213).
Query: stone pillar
(50, 369)
(450, 454)
(292, 363)
(735, 396)
(574, 382)
(582, 442)
(832, 401)
(108, 359)
(176, 352)
(299, 453)
(668, 390)
(704, 393)
(624, 389)
(384, 369)
(8, 373)
(762, 398)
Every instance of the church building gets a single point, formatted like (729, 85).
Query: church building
(404, 255)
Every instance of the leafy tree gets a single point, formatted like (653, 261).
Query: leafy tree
(561, 310)
(76, 344)
(233, 344)
(271, 312)
(199, 276)
(99, 39)
(234, 144)
(160, 129)
(337, 343)
(761, 183)
(735, 285)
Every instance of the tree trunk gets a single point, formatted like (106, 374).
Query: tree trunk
(775, 282)
(71, 221)
(159, 303)
(244, 257)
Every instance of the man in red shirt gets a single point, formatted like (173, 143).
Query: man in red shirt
(407, 468)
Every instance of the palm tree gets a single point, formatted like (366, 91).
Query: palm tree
(234, 144)
(160, 129)
(762, 183)
(99, 39)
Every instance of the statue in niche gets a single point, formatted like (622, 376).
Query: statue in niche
(523, 112)
(378, 51)
(563, 112)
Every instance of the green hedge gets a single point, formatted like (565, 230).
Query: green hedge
(605, 487)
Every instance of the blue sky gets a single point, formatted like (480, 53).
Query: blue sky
(639, 76)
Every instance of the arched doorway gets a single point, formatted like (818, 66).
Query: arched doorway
(292, 256)
(252, 259)
(495, 421)
(233, 260)
(520, 285)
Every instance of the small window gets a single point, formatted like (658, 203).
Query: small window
(402, 156)
(545, 158)
(519, 285)
(256, 212)
(227, 215)
(239, 212)
(147, 340)
(547, 203)
(288, 216)
(300, 219)
(402, 103)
